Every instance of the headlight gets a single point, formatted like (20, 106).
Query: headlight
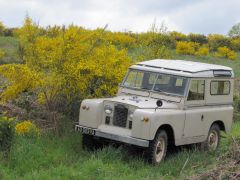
(108, 109)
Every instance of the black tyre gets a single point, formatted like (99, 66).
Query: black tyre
(157, 149)
(213, 139)
(89, 143)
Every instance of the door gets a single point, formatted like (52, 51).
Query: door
(195, 110)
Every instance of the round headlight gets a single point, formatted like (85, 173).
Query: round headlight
(108, 109)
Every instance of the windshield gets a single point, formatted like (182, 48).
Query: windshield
(166, 83)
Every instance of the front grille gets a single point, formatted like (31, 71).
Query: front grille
(120, 115)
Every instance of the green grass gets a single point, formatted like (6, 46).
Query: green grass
(10, 47)
(51, 157)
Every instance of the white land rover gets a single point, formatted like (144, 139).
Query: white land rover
(162, 103)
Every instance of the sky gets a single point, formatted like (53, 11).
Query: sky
(187, 16)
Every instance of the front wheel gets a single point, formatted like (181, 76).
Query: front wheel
(213, 139)
(89, 143)
(157, 149)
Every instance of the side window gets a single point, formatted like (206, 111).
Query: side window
(220, 87)
(196, 91)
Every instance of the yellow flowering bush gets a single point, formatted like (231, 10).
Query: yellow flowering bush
(189, 48)
(217, 40)
(202, 51)
(235, 44)
(26, 128)
(226, 52)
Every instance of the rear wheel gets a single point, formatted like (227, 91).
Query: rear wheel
(213, 139)
(157, 149)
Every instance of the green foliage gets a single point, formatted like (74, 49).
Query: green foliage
(2, 53)
(217, 40)
(198, 38)
(235, 31)
(2, 29)
(10, 47)
(226, 53)
(6, 132)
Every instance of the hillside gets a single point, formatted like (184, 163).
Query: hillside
(48, 89)
(11, 45)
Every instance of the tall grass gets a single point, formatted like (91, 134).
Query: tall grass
(51, 157)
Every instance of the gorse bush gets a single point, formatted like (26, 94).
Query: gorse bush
(202, 51)
(188, 48)
(27, 128)
(217, 40)
(178, 36)
(226, 53)
(6, 132)
(64, 65)
(235, 44)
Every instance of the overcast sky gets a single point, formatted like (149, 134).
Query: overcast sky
(198, 16)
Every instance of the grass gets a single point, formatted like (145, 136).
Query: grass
(51, 157)
(10, 46)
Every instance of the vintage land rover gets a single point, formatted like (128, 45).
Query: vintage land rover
(162, 103)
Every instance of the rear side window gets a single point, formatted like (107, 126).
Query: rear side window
(220, 87)
(196, 91)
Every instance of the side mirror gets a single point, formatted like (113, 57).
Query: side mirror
(159, 103)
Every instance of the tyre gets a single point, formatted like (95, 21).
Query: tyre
(89, 143)
(157, 149)
(213, 139)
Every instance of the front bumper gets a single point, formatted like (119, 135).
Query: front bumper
(115, 137)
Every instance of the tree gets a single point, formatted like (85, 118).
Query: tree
(2, 29)
(235, 31)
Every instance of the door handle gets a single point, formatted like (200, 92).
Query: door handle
(202, 117)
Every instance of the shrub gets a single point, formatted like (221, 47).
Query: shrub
(235, 44)
(202, 51)
(27, 128)
(2, 28)
(2, 54)
(186, 47)
(226, 52)
(177, 36)
(6, 132)
(198, 38)
(217, 40)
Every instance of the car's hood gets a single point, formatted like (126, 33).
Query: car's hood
(143, 102)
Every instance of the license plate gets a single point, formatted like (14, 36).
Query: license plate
(85, 130)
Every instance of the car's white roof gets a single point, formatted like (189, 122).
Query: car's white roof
(182, 68)
(181, 65)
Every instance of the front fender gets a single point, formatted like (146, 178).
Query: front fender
(147, 130)
(91, 112)
(140, 128)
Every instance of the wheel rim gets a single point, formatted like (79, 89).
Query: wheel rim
(160, 148)
(213, 140)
